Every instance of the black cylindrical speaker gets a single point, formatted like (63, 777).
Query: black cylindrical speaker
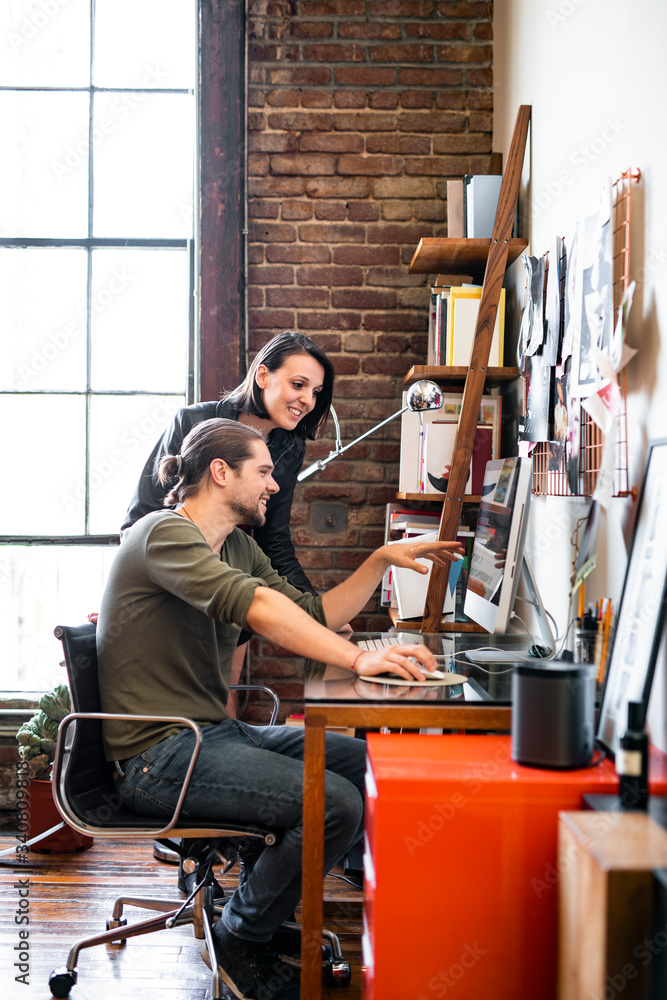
(553, 714)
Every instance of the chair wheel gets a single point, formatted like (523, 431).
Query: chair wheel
(60, 983)
(338, 972)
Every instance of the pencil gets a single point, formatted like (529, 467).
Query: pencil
(581, 600)
(606, 627)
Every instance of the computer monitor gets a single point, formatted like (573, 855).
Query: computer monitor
(499, 573)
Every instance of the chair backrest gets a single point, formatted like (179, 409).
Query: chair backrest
(86, 777)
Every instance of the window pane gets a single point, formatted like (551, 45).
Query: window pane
(140, 320)
(142, 165)
(42, 586)
(45, 43)
(46, 455)
(43, 319)
(43, 167)
(145, 43)
(123, 431)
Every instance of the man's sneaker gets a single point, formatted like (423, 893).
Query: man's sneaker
(252, 970)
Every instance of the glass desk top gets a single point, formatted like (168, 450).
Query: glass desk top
(490, 683)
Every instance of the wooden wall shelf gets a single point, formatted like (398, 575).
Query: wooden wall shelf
(458, 375)
(437, 497)
(440, 254)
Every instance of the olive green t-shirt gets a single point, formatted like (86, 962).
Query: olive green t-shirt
(169, 622)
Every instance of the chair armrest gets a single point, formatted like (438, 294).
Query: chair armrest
(61, 747)
(267, 690)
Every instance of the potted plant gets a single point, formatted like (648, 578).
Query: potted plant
(37, 747)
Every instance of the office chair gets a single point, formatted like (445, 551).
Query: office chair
(85, 796)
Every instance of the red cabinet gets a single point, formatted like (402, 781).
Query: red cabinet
(461, 867)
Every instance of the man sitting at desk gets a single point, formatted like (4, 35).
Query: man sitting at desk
(182, 586)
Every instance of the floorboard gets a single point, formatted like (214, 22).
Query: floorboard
(72, 895)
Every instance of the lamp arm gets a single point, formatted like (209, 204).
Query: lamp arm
(321, 462)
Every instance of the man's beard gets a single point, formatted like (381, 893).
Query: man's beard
(251, 517)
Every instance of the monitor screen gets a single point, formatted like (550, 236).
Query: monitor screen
(497, 555)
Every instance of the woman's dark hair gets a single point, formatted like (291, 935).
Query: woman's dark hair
(248, 395)
(208, 440)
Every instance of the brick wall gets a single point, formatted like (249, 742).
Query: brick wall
(359, 111)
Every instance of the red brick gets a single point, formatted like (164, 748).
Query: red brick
(484, 32)
(401, 53)
(364, 76)
(372, 166)
(365, 255)
(437, 166)
(359, 388)
(309, 29)
(367, 515)
(350, 99)
(333, 53)
(465, 53)
(384, 364)
(270, 233)
(432, 121)
(394, 234)
(300, 76)
(344, 364)
(395, 277)
(479, 77)
(256, 97)
(263, 209)
(337, 187)
(283, 98)
(328, 321)
(382, 494)
(480, 9)
(329, 276)
(438, 30)
(467, 143)
(262, 275)
(373, 538)
(272, 319)
(350, 559)
(386, 30)
(481, 121)
(271, 142)
(426, 77)
(316, 298)
(315, 558)
(404, 187)
(402, 8)
(298, 254)
(258, 166)
(316, 99)
(312, 232)
(362, 211)
(382, 142)
(480, 100)
(385, 451)
(329, 342)
(383, 100)
(297, 210)
(397, 211)
(417, 99)
(362, 298)
(276, 187)
(256, 121)
(393, 344)
(316, 142)
(300, 121)
(362, 342)
(367, 473)
(324, 491)
(333, 211)
(364, 121)
(256, 254)
(255, 297)
(308, 165)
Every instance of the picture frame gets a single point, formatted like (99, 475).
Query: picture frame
(641, 613)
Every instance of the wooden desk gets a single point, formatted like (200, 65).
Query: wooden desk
(373, 708)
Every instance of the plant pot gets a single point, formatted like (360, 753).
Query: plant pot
(42, 815)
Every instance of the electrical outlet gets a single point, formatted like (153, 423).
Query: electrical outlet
(329, 518)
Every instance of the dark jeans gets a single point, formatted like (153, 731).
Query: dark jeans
(254, 774)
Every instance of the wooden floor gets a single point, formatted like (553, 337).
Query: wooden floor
(71, 896)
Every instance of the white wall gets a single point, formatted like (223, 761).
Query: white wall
(594, 73)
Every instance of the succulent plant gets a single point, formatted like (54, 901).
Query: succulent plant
(37, 736)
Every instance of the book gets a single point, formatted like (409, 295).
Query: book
(438, 449)
(411, 587)
(461, 323)
(480, 204)
(490, 412)
(455, 227)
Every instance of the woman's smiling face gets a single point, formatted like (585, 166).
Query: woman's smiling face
(290, 392)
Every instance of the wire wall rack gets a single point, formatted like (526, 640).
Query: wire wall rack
(548, 481)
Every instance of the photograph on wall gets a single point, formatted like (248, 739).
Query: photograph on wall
(594, 304)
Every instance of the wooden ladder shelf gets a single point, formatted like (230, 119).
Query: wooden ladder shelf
(474, 385)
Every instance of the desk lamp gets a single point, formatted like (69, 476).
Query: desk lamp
(423, 395)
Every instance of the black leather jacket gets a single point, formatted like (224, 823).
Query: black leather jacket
(287, 451)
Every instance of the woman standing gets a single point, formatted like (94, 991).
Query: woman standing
(286, 395)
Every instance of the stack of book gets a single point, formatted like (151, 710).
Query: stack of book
(451, 329)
